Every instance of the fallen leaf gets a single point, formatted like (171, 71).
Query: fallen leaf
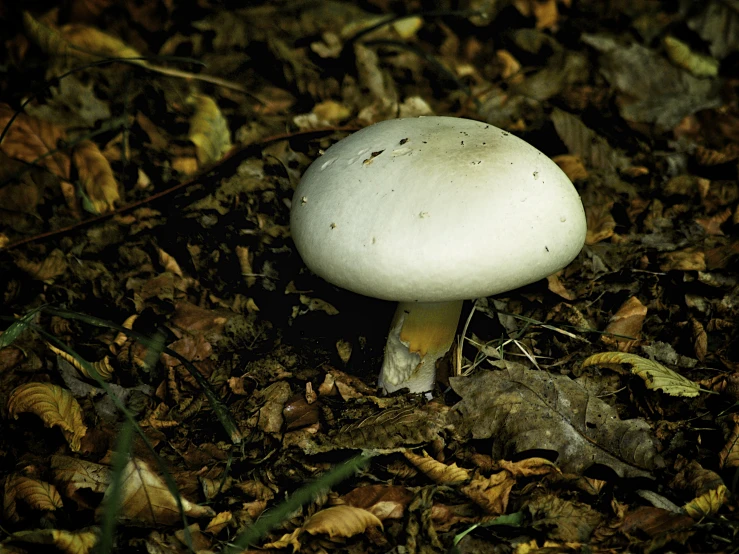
(655, 375)
(68, 542)
(532, 410)
(146, 500)
(96, 177)
(54, 405)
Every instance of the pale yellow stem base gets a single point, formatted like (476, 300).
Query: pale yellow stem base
(420, 334)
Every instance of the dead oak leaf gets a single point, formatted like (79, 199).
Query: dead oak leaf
(54, 405)
(533, 410)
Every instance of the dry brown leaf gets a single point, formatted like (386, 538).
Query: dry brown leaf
(627, 322)
(54, 405)
(10, 508)
(208, 130)
(689, 259)
(103, 368)
(384, 501)
(532, 410)
(35, 141)
(708, 503)
(73, 474)
(219, 523)
(78, 542)
(54, 265)
(39, 495)
(712, 225)
(490, 493)
(96, 177)
(438, 472)
(729, 456)
(146, 500)
(86, 42)
(341, 521)
(572, 166)
(700, 339)
(601, 224)
(562, 519)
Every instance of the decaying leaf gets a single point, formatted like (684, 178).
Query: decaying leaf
(34, 141)
(208, 130)
(438, 472)
(146, 500)
(490, 493)
(384, 501)
(54, 405)
(681, 55)
(96, 176)
(103, 368)
(79, 542)
(533, 410)
(626, 322)
(729, 455)
(74, 474)
(336, 521)
(39, 495)
(655, 375)
(708, 503)
(562, 519)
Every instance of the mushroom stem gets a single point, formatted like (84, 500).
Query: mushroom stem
(420, 334)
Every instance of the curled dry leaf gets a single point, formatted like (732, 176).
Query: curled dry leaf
(52, 266)
(655, 375)
(80, 542)
(626, 322)
(208, 130)
(532, 410)
(490, 493)
(438, 472)
(146, 500)
(103, 368)
(337, 521)
(96, 177)
(384, 501)
(54, 405)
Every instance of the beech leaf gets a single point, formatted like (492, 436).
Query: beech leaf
(655, 375)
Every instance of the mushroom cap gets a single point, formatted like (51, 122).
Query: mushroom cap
(433, 209)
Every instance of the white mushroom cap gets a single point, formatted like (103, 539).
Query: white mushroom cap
(433, 209)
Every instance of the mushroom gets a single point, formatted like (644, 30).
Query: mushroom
(428, 212)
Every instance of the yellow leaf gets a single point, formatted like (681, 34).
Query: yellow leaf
(438, 472)
(39, 495)
(681, 55)
(707, 504)
(73, 474)
(96, 177)
(208, 130)
(79, 542)
(103, 367)
(341, 521)
(54, 405)
(729, 455)
(655, 375)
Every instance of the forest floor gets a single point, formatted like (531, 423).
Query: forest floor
(170, 364)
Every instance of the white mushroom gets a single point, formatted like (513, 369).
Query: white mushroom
(429, 212)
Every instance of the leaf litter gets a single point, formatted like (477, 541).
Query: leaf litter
(593, 410)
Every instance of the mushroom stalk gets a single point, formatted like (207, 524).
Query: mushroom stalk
(420, 334)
